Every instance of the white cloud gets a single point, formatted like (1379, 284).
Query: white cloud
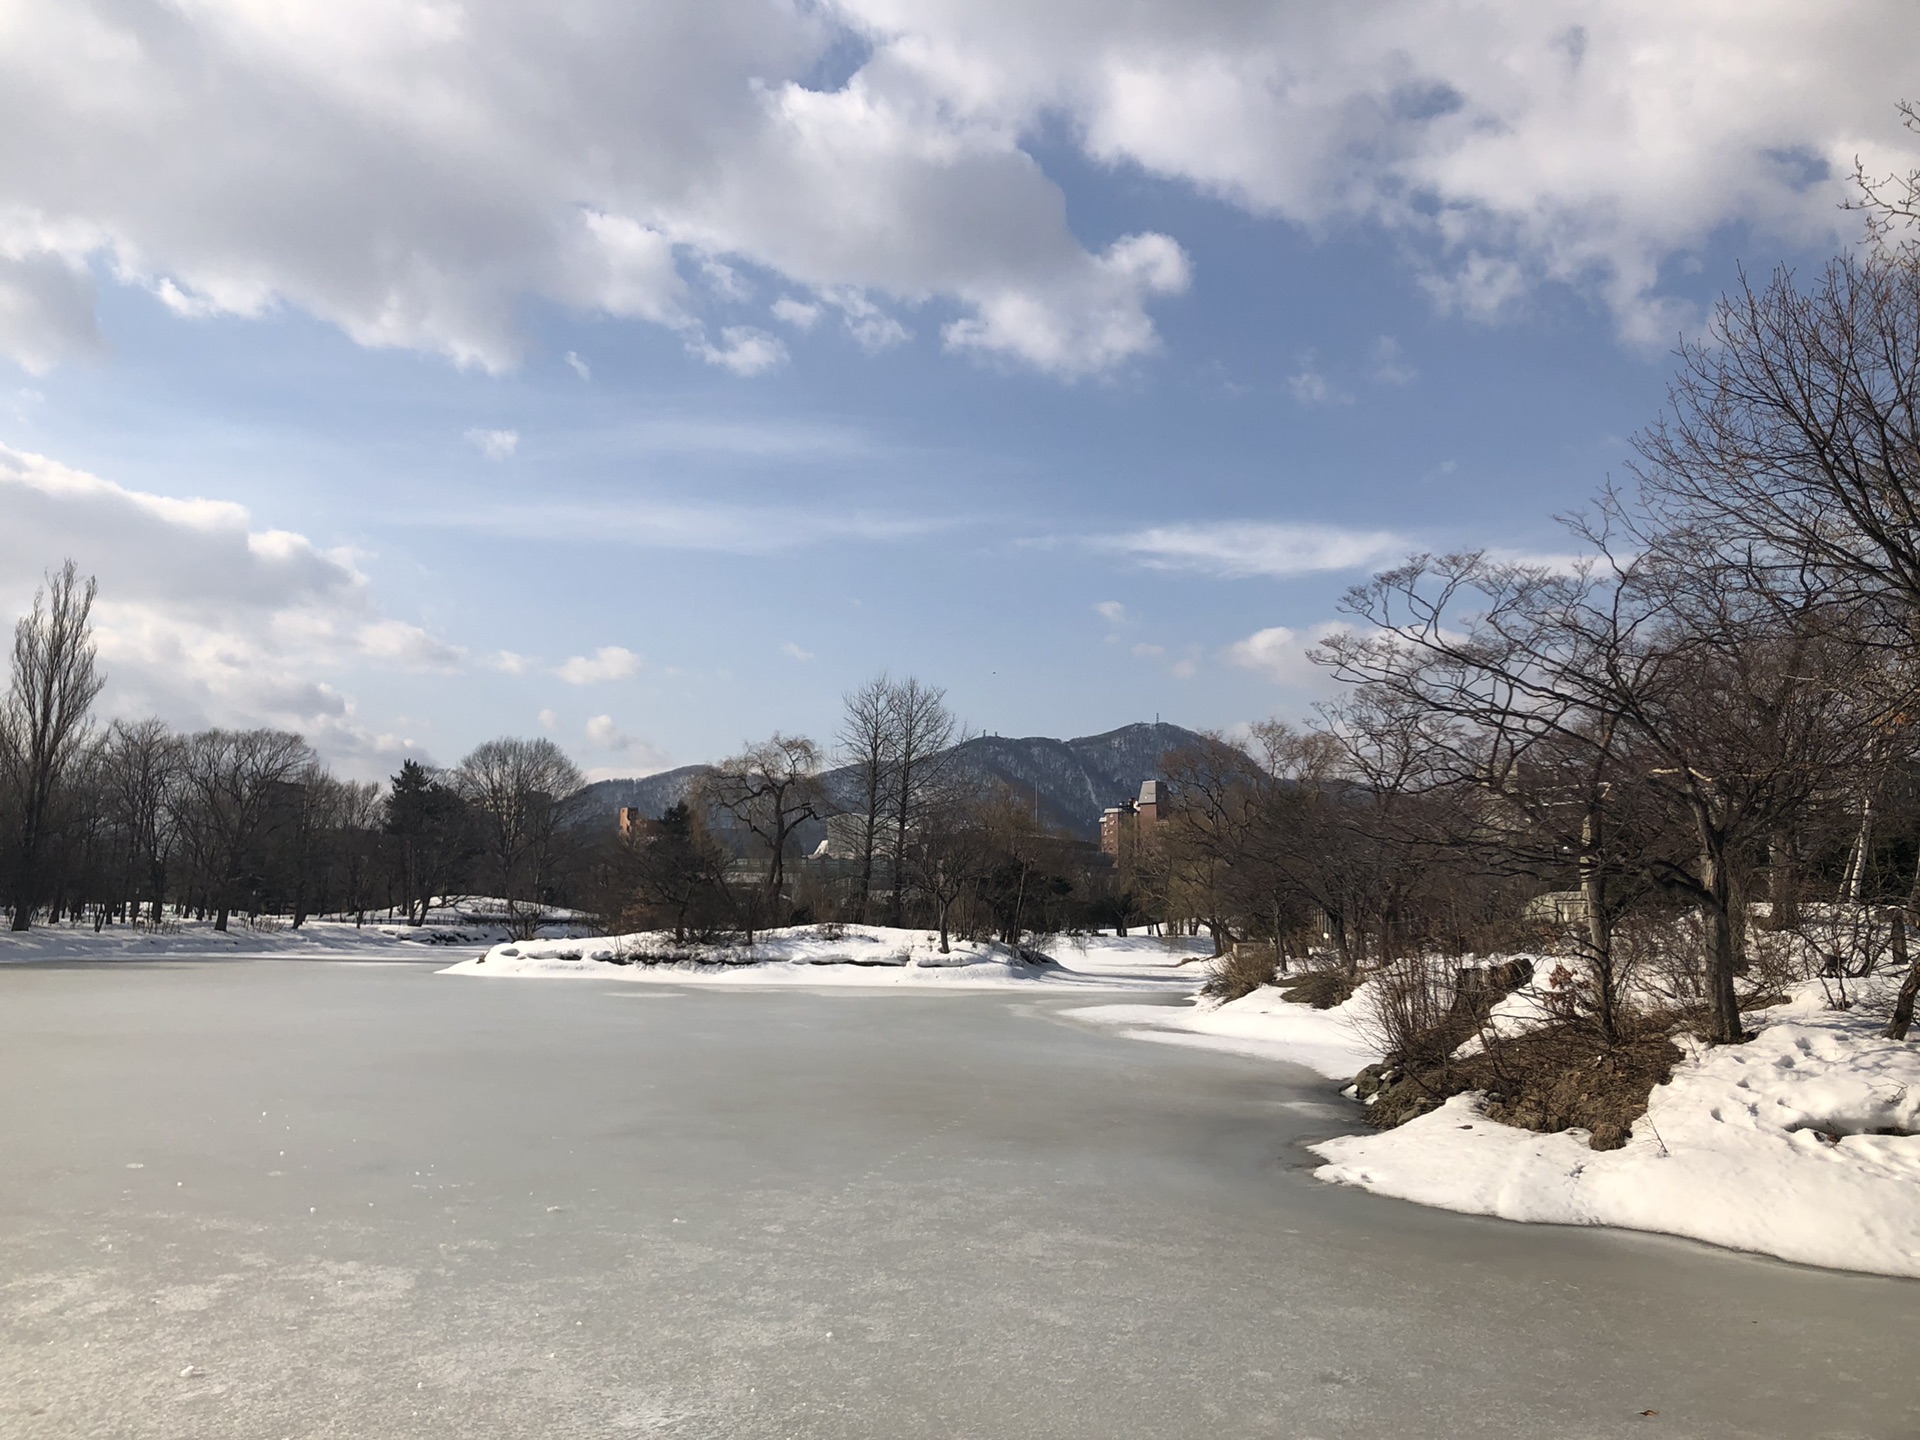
(872, 328)
(1310, 387)
(1507, 144)
(508, 663)
(579, 366)
(609, 662)
(724, 280)
(202, 618)
(794, 652)
(1280, 653)
(495, 444)
(1238, 549)
(416, 173)
(548, 720)
(644, 755)
(1390, 365)
(800, 314)
(674, 525)
(1111, 611)
(742, 349)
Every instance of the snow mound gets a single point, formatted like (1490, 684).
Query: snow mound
(1263, 1024)
(1797, 1144)
(802, 954)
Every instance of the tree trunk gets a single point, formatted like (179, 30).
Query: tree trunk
(1783, 881)
(1593, 893)
(1716, 913)
(1909, 987)
(1342, 945)
(1862, 847)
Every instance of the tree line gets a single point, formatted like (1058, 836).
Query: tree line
(134, 822)
(900, 833)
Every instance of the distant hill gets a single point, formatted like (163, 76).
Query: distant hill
(1071, 781)
(651, 795)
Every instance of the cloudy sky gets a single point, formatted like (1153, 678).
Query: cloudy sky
(649, 374)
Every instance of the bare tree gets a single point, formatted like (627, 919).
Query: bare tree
(769, 790)
(949, 853)
(358, 811)
(1793, 431)
(521, 793)
(869, 745)
(232, 779)
(924, 733)
(142, 770)
(43, 722)
(1522, 679)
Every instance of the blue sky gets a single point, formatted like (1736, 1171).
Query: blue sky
(1075, 372)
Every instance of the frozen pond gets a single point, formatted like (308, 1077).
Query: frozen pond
(286, 1197)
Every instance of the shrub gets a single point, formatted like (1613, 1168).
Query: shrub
(1322, 989)
(1241, 971)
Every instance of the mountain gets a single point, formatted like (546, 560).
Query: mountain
(601, 802)
(1070, 781)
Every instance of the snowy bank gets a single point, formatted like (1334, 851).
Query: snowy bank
(855, 955)
(1769, 1146)
(1263, 1024)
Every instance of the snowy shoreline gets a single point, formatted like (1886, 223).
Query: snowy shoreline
(852, 956)
(1767, 1148)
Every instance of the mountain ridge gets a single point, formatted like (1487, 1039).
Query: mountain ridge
(1070, 781)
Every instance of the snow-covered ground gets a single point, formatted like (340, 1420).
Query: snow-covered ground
(1263, 1025)
(1767, 1146)
(850, 955)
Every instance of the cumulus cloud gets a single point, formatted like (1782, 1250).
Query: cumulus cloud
(643, 755)
(794, 652)
(742, 349)
(1239, 549)
(801, 314)
(495, 444)
(415, 173)
(609, 662)
(1310, 387)
(579, 366)
(204, 618)
(1390, 365)
(1279, 652)
(1111, 611)
(1507, 144)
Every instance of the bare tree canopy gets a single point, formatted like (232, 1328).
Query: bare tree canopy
(521, 792)
(44, 721)
(769, 790)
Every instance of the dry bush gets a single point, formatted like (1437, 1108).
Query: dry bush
(1408, 1010)
(1560, 1077)
(1322, 989)
(1241, 971)
(1565, 1078)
